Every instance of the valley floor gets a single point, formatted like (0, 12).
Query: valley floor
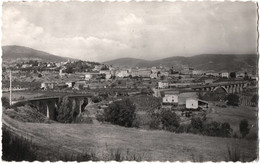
(154, 145)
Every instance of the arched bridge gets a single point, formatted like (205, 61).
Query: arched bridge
(228, 87)
(49, 106)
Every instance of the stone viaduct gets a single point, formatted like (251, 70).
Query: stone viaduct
(228, 87)
(50, 105)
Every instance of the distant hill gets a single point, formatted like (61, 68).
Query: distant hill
(216, 62)
(18, 52)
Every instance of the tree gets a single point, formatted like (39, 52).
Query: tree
(65, 113)
(233, 75)
(121, 113)
(147, 91)
(232, 99)
(96, 99)
(5, 102)
(254, 99)
(244, 128)
(225, 130)
(170, 120)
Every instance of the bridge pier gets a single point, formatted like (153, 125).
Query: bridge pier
(47, 111)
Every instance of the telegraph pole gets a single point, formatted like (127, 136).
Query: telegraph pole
(10, 88)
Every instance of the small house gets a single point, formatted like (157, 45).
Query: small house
(192, 103)
(170, 99)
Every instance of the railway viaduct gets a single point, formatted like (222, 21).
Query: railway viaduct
(50, 105)
(228, 87)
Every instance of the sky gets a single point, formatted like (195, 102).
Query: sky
(146, 30)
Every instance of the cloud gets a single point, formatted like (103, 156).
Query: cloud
(129, 20)
(19, 31)
(151, 31)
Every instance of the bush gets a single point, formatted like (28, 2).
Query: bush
(254, 99)
(217, 129)
(243, 128)
(65, 112)
(170, 121)
(212, 129)
(184, 128)
(146, 91)
(233, 100)
(225, 130)
(197, 125)
(5, 102)
(121, 113)
(96, 99)
(155, 121)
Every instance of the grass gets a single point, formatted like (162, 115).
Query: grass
(19, 148)
(16, 148)
(233, 115)
(234, 153)
(152, 145)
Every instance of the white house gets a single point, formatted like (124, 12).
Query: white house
(170, 99)
(163, 85)
(225, 74)
(122, 73)
(88, 76)
(153, 76)
(197, 72)
(192, 103)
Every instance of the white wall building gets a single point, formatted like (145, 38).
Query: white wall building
(123, 73)
(170, 98)
(225, 74)
(192, 103)
(163, 85)
(88, 76)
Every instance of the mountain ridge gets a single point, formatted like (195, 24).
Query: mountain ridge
(216, 62)
(12, 52)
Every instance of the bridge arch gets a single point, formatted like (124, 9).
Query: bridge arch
(220, 87)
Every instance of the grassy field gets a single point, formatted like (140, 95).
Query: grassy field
(233, 115)
(149, 145)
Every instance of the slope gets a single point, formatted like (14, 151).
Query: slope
(14, 52)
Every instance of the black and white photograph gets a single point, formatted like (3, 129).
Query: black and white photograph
(129, 81)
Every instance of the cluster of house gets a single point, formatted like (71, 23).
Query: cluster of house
(175, 99)
(151, 73)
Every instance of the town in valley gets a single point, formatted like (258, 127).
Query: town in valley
(146, 97)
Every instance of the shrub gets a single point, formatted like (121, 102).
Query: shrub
(225, 130)
(155, 121)
(65, 112)
(121, 113)
(100, 117)
(197, 124)
(147, 91)
(254, 99)
(184, 128)
(96, 99)
(244, 128)
(5, 102)
(233, 100)
(170, 121)
(217, 129)
(212, 129)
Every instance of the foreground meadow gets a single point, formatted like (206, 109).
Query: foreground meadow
(55, 139)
